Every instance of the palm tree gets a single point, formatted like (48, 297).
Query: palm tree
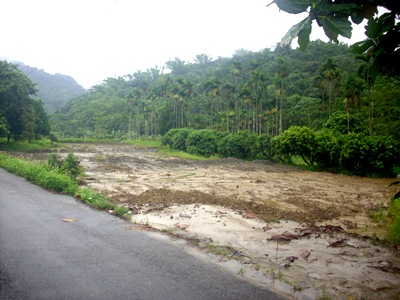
(329, 73)
(365, 72)
(282, 71)
(353, 87)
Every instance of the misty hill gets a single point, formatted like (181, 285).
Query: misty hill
(54, 90)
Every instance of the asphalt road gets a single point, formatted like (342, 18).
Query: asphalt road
(96, 257)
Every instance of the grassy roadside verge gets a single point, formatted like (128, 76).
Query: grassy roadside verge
(51, 179)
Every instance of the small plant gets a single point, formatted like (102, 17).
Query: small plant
(53, 138)
(54, 161)
(120, 211)
(71, 166)
(241, 271)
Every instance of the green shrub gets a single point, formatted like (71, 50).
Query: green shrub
(202, 142)
(70, 165)
(384, 155)
(244, 144)
(324, 155)
(342, 123)
(176, 138)
(368, 155)
(231, 145)
(296, 141)
(120, 211)
(54, 161)
(266, 148)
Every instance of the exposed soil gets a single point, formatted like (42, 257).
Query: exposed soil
(245, 204)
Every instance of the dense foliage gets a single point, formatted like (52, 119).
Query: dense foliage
(355, 153)
(21, 116)
(264, 92)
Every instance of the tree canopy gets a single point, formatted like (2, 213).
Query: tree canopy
(21, 116)
(263, 92)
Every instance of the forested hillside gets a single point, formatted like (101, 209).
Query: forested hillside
(54, 90)
(263, 92)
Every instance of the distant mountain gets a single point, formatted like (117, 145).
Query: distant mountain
(54, 90)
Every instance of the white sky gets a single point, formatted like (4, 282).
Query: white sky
(91, 40)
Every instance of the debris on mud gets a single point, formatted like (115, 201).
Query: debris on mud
(233, 207)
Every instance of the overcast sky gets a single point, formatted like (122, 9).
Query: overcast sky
(91, 40)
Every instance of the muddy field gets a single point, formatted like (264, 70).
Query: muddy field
(329, 246)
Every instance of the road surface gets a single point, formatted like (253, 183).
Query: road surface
(96, 257)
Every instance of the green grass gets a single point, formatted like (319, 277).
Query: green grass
(182, 154)
(24, 146)
(95, 199)
(85, 140)
(144, 142)
(39, 174)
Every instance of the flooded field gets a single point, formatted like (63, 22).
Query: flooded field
(308, 232)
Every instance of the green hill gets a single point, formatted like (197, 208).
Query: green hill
(53, 89)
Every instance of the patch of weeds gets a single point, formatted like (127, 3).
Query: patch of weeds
(100, 157)
(257, 267)
(378, 216)
(95, 199)
(181, 154)
(272, 273)
(219, 250)
(154, 142)
(241, 271)
(280, 276)
(69, 166)
(120, 211)
(324, 295)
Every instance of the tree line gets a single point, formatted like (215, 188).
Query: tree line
(263, 92)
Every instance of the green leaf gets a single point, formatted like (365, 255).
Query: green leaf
(334, 26)
(373, 29)
(293, 6)
(296, 30)
(362, 47)
(304, 35)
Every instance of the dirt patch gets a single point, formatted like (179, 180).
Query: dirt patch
(180, 195)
